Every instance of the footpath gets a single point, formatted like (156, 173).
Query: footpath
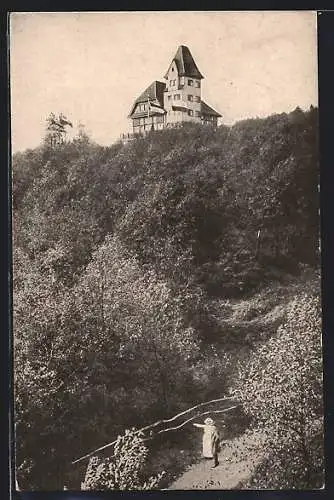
(238, 459)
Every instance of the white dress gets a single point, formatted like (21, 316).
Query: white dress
(207, 439)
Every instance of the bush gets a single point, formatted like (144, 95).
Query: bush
(281, 389)
(123, 471)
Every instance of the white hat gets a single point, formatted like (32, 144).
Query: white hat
(208, 421)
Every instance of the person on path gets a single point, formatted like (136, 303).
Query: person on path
(211, 440)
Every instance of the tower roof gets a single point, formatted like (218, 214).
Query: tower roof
(185, 63)
(155, 91)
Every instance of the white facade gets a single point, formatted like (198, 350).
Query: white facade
(182, 92)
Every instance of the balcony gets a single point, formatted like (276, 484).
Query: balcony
(127, 137)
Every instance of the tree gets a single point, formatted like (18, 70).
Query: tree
(56, 129)
(40, 305)
(114, 350)
(134, 322)
(281, 388)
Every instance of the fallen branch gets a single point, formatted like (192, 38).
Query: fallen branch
(177, 427)
(151, 426)
(193, 418)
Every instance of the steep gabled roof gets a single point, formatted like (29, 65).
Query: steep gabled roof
(185, 63)
(155, 91)
(207, 110)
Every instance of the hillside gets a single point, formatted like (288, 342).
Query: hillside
(145, 273)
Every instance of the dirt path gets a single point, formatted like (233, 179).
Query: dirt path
(238, 460)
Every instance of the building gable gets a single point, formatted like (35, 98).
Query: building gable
(154, 92)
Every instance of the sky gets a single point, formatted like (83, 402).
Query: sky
(91, 66)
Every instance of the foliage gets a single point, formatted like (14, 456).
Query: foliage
(129, 262)
(123, 470)
(115, 316)
(127, 315)
(188, 202)
(281, 389)
(56, 129)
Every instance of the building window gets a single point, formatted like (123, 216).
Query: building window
(190, 112)
(197, 113)
(198, 84)
(176, 97)
(169, 97)
(190, 83)
(190, 97)
(197, 98)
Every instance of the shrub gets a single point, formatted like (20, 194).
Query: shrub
(282, 391)
(123, 471)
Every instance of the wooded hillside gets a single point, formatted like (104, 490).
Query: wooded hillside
(140, 271)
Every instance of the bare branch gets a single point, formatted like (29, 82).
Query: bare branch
(193, 418)
(151, 426)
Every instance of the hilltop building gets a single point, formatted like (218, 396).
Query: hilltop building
(174, 102)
